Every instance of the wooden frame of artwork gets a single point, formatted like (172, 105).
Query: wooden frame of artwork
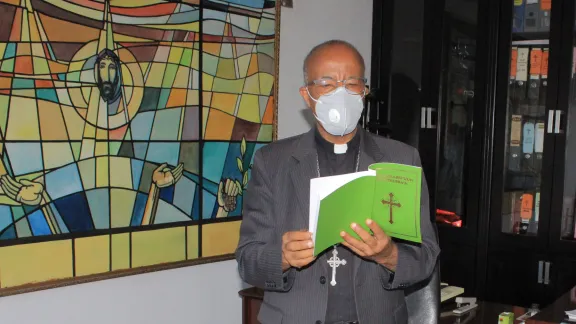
(127, 133)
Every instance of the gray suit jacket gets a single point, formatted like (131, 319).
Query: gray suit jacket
(277, 201)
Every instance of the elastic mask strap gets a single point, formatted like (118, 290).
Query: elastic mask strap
(309, 95)
(345, 122)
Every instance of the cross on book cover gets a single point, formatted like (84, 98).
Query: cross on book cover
(391, 202)
(388, 193)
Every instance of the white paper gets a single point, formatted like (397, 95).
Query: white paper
(571, 314)
(320, 188)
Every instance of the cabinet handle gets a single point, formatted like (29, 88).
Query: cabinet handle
(550, 122)
(540, 269)
(423, 118)
(547, 274)
(430, 109)
(557, 129)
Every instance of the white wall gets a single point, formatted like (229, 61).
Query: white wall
(200, 294)
(311, 22)
(206, 293)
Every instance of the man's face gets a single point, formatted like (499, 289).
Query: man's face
(107, 70)
(336, 62)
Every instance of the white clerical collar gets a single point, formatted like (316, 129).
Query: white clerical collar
(340, 148)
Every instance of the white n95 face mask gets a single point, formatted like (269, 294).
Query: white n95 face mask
(339, 111)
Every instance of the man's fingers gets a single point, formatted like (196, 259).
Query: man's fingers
(177, 172)
(300, 258)
(354, 249)
(299, 245)
(354, 243)
(14, 183)
(351, 240)
(364, 235)
(299, 255)
(8, 188)
(297, 236)
(303, 262)
(298, 248)
(161, 167)
(379, 234)
(177, 177)
(7, 180)
(229, 184)
(220, 192)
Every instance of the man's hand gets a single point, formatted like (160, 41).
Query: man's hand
(297, 249)
(377, 247)
(164, 177)
(23, 191)
(228, 192)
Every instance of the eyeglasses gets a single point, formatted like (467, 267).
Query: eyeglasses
(352, 85)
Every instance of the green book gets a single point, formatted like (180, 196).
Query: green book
(388, 193)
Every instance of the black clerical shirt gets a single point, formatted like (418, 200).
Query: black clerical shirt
(341, 303)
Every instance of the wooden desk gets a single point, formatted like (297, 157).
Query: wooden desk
(486, 312)
(554, 313)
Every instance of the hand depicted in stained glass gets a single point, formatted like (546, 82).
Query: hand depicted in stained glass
(23, 191)
(228, 191)
(163, 176)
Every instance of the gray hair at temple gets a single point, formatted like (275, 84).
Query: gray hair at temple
(333, 42)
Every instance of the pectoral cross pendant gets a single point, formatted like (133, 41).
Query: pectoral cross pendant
(334, 263)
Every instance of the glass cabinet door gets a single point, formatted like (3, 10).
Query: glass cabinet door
(568, 220)
(458, 104)
(456, 112)
(565, 132)
(526, 118)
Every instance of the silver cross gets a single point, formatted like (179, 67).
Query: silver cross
(334, 263)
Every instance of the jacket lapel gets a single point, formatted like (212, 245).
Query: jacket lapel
(306, 168)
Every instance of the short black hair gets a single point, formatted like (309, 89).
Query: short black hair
(329, 43)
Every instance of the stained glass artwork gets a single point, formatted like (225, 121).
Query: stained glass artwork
(127, 131)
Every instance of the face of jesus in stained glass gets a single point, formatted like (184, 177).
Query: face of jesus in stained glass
(107, 69)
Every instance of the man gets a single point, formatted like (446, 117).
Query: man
(274, 251)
